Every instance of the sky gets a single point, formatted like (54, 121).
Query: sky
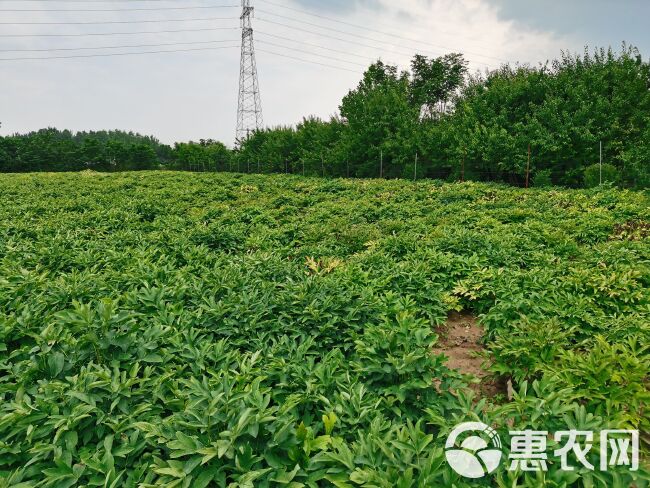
(310, 53)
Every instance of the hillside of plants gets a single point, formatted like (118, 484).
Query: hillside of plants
(437, 120)
(205, 329)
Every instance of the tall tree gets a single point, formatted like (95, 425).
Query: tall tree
(436, 81)
(381, 122)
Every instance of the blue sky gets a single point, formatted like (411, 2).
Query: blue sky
(310, 53)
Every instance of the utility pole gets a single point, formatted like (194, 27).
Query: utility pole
(322, 164)
(381, 164)
(249, 111)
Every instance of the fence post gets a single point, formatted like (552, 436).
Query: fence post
(415, 173)
(462, 168)
(528, 169)
(601, 162)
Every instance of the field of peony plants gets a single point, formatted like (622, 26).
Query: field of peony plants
(194, 330)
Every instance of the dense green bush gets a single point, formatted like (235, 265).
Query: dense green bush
(542, 178)
(598, 174)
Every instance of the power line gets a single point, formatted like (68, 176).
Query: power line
(312, 53)
(322, 35)
(126, 46)
(133, 46)
(81, 1)
(140, 9)
(311, 44)
(155, 9)
(383, 50)
(324, 27)
(349, 41)
(103, 22)
(123, 46)
(307, 61)
(359, 26)
(333, 30)
(207, 29)
(118, 54)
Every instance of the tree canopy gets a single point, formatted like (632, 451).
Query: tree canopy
(481, 125)
(62, 150)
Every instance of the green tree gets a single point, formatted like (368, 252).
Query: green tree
(435, 82)
(381, 122)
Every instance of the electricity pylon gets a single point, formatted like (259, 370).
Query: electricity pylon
(249, 112)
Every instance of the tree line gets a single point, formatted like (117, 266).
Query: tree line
(62, 150)
(521, 125)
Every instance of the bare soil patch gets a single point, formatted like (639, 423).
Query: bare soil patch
(460, 341)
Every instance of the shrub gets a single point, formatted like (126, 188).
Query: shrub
(542, 178)
(592, 175)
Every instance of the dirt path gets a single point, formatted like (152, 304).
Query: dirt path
(460, 341)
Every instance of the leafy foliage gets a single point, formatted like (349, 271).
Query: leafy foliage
(54, 150)
(194, 330)
(543, 178)
(480, 126)
(596, 172)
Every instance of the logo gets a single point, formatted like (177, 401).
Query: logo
(473, 450)
(477, 455)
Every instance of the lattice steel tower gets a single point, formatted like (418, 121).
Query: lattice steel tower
(249, 112)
